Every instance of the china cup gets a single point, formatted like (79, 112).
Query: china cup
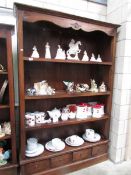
(32, 144)
(89, 133)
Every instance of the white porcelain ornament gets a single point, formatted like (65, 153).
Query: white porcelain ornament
(93, 57)
(60, 53)
(85, 56)
(93, 86)
(47, 51)
(35, 53)
(54, 114)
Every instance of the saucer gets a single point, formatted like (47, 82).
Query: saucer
(39, 150)
(78, 143)
(96, 138)
(50, 147)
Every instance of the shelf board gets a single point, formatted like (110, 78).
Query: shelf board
(65, 61)
(8, 166)
(5, 137)
(3, 73)
(4, 106)
(47, 154)
(64, 94)
(68, 122)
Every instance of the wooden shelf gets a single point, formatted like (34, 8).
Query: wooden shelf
(47, 154)
(8, 166)
(27, 59)
(3, 73)
(4, 106)
(5, 137)
(68, 122)
(64, 94)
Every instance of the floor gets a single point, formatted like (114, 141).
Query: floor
(106, 168)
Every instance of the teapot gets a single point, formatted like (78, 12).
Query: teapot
(54, 114)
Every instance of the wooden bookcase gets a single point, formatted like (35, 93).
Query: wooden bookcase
(7, 112)
(37, 26)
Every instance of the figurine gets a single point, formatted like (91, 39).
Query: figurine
(69, 85)
(73, 50)
(31, 91)
(93, 57)
(47, 51)
(102, 87)
(54, 114)
(60, 53)
(82, 87)
(42, 88)
(99, 58)
(1, 68)
(85, 56)
(7, 128)
(93, 86)
(2, 134)
(35, 53)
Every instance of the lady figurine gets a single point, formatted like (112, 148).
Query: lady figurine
(60, 53)
(47, 51)
(93, 57)
(102, 87)
(99, 58)
(85, 56)
(35, 53)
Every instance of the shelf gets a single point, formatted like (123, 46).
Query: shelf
(4, 73)
(4, 106)
(8, 166)
(65, 61)
(64, 94)
(68, 122)
(5, 137)
(47, 154)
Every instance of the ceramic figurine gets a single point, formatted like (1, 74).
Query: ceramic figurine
(93, 86)
(85, 56)
(54, 114)
(73, 50)
(7, 128)
(1, 68)
(31, 91)
(99, 58)
(2, 134)
(93, 57)
(42, 88)
(47, 51)
(69, 86)
(60, 53)
(102, 87)
(82, 87)
(35, 53)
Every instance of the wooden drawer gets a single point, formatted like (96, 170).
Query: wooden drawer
(35, 167)
(82, 154)
(98, 150)
(61, 160)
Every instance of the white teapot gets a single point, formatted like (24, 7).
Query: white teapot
(54, 114)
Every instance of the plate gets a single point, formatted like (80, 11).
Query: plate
(81, 141)
(40, 150)
(50, 147)
(96, 138)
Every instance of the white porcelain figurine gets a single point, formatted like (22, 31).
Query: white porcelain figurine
(60, 53)
(54, 114)
(99, 58)
(93, 57)
(93, 86)
(35, 53)
(85, 56)
(73, 50)
(47, 51)
(102, 87)
(69, 86)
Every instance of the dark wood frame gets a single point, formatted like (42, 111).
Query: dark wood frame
(55, 163)
(5, 33)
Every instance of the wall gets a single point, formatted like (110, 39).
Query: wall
(119, 11)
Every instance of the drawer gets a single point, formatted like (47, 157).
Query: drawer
(35, 167)
(82, 154)
(61, 160)
(98, 150)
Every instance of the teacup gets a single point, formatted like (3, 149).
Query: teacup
(32, 144)
(89, 133)
(57, 143)
(74, 139)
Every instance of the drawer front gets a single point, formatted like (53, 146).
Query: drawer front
(82, 154)
(61, 160)
(35, 167)
(98, 150)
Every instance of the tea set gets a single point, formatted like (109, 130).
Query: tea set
(70, 54)
(69, 112)
(5, 129)
(34, 148)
